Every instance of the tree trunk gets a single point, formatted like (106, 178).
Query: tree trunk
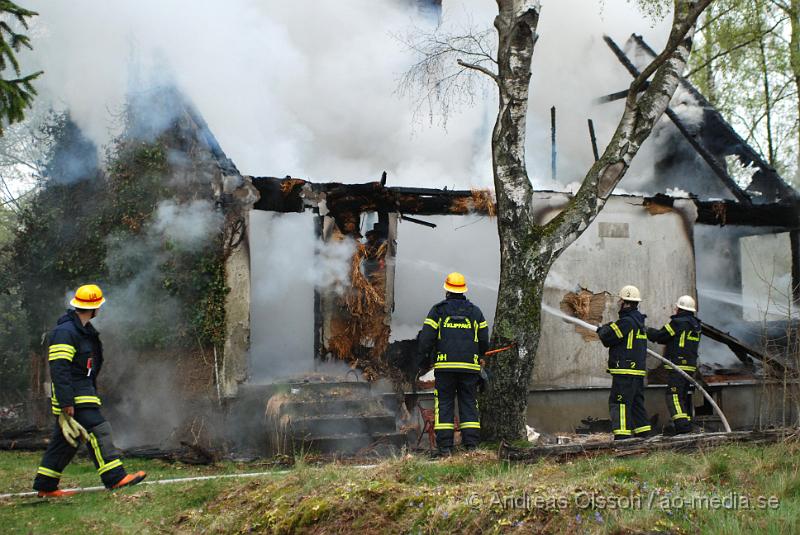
(519, 294)
(794, 59)
(765, 82)
(527, 250)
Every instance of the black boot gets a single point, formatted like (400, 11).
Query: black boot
(441, 453)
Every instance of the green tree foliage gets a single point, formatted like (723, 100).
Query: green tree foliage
(14, 336)
(747, 63)
(50, 250)
(16, 94)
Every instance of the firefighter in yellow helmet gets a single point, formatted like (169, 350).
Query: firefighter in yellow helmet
(456, 335)
(75, 355)
(626, 340)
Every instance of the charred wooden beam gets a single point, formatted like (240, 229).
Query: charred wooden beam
(343, 200)
(766, 177)
(279, 194)
(619, 95)
(729, 212)
(693, 141)
(709, 158)
(740, 349)
(417, 221)
(756, 215)
(593, 140)
(641, 446)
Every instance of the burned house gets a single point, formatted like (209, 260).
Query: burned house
(329, 282)
(716, 241)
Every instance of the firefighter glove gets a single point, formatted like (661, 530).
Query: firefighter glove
(72, 430)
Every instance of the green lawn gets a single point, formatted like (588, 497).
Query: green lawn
(141, 509)
(467, 493)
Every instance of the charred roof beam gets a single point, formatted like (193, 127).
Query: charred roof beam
(729, 212)
(741, 149)
(709, 158)
(295, 195)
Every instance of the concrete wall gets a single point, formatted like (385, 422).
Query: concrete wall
(766, 263)
(625, 244)
(745, 404)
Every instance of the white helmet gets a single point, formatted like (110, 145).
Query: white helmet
(686, 302)
(630, 293)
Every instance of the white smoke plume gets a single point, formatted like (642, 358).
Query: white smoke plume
(308, 88)
(288, 262)
(149, 408)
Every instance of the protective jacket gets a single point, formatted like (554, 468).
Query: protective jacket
(457, 334)
(75, 355)
(681, 335)
(626, 339)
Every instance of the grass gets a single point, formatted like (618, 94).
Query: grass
(142, 509)
(467, 493)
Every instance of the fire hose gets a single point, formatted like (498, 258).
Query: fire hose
(652, 353)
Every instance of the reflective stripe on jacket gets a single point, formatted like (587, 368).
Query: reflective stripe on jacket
(626, 340)
(455, 334)
(75, 356)
(681, 335)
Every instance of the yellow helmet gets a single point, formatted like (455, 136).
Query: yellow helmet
(88, 297)
(455, 283)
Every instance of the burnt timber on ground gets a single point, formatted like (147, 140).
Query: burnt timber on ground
(637, 446)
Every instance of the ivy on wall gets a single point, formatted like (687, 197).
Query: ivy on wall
(89, 222)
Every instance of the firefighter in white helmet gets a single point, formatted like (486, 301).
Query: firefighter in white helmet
(681, 335)
(626, 340)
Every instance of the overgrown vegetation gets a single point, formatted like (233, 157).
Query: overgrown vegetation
(92, 222)
(471, 493)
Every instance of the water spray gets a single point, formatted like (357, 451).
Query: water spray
(558, 313)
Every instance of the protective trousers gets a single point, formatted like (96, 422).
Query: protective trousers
(465, 387)
(626, 406)
(679, 402)
(101, 448)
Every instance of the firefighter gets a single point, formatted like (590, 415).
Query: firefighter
(75, 355)
(457, 335)
(626, 340)
(681, 335)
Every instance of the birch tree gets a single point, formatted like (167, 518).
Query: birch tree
(528, 249)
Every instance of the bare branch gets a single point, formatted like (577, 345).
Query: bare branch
(715, 18)
(676, 38)
(478, 68)
(443, 75)
(781, 5)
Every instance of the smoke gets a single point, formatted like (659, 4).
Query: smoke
(139, 311)
(720, 288)
(467, 244)
(287, 262)
(309, 88)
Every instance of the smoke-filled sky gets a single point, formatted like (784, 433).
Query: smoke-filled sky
(309, 87)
